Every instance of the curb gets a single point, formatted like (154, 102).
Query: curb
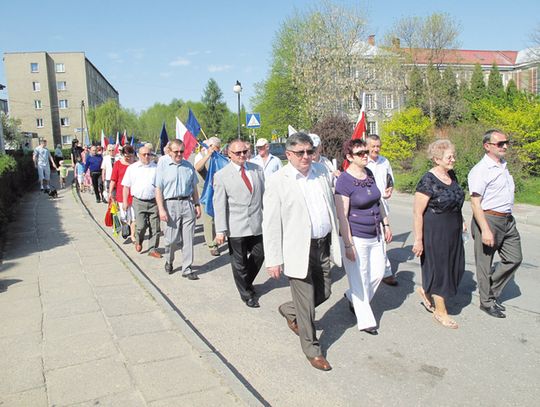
(226, 371)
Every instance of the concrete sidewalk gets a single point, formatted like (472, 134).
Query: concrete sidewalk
(80, 327)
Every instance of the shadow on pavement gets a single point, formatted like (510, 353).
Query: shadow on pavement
(4, 284)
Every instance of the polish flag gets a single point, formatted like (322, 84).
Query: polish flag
(117, 144)
(104, 140)
(189, 140)
(124, 138)
(360, 129)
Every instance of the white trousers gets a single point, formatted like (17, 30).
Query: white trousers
(365, 275)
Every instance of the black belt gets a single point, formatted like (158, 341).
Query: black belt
(178, 198)
(320, 241)
(145, 200)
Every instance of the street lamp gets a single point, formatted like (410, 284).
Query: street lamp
(238, 89)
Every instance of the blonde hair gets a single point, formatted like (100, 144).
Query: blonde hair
(438, 147)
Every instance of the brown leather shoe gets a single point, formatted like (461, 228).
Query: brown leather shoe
(293, 326)
(155, 254)
(320, 362)
(390, 280)
(138, 247)
(214, 251)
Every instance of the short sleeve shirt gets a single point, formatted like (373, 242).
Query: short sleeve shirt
(493, 182)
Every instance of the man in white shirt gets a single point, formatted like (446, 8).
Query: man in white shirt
(42, 157)
(139, 179)
(493, 227)
(300, 239)
(201, 163)
(384, 178)
(264, 159)
(319, 158)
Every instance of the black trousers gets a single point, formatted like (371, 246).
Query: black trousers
(247, 257)
(96, 176)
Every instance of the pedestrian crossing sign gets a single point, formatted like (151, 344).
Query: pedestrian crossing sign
(253, 120)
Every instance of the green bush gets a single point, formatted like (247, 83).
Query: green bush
(7, 164)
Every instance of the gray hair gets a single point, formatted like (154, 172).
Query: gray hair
(438, 147)
(373, 137)
(298, 138)
(213, 141)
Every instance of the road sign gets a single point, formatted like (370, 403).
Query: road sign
(253, 120)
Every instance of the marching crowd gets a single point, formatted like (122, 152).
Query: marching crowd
(300, 218)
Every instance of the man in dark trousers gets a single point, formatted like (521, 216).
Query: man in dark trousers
(93, 162)
(493, 227)
(238, 194)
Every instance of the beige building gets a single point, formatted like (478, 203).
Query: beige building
(46, 89)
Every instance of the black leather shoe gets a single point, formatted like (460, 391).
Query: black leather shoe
(371, 331)
(493, 311)
(168, 268)
(498, 305)
(191, 276)
(252, 302)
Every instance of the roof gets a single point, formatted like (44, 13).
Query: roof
(466, 57)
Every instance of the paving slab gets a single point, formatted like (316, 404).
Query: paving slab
(34, 397)
(20, 375)
(140, 323)
(142, 348)
(54, 328)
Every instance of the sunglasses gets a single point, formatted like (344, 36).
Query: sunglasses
(501, 144)
(361, 153)
(301, 153)
(177, 152)
(239, 153)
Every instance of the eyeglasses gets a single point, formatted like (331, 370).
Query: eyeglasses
(176, 152)
(501, 144)
(301, 153)
(145, 154)
(239, 153)
(361, 153)
(261, 147)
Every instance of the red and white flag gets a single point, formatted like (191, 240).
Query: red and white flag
(117, 144)
(189, 140)
(360, 129)
(104, 140)
(124, 138)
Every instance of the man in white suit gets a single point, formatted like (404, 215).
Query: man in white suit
(238, 194)
(300, 238)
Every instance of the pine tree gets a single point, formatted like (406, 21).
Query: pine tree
(495, 87)
(214, 108)
(512, 92)
(478, 86)
(415, 95)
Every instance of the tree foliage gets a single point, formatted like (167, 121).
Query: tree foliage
(111, 118)
(403, 135)
(333, 131)
(214, 110)
(11, 130)
(495, 87)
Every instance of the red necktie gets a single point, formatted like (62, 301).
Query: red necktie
(246, 179)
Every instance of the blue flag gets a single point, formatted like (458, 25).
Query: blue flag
(217, 162)
(193, 125)
(132, 140)
(163, 139)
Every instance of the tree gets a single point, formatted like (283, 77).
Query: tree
(11, 127)
(512, 92)
(111, 118)
(214, 108)
(415, 92)
(477, 89)
(495, 87)
(333, 131)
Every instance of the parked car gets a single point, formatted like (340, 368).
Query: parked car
(278, 150)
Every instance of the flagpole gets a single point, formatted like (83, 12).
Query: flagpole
(202, 131)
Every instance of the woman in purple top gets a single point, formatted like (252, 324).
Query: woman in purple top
(363, 226)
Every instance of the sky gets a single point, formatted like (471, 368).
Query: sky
(154, 51)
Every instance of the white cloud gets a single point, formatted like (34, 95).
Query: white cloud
(219, 68)
(179, 61)
(165, 74)
(136, 53)
(192, 53)
(114, 56)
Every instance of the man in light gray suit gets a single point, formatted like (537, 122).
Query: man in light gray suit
(238, 194)
(300, 238)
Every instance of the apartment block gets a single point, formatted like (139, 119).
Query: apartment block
(46, 90)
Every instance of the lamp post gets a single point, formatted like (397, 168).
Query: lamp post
(238, 89)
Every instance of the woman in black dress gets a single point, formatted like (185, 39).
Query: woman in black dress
(438, 229)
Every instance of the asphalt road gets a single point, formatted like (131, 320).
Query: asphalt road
(412, 362)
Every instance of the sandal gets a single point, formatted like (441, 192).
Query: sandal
(446, 322)
(426, 303)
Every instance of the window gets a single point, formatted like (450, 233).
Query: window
(34, 67)
(39, 123)
(67, 139)
(370, 101)
(63, 103)
(372, 127)
(61, 85)
(388, 101)
(36, 86)
(64, 121)
(37, 104)
(60, 68)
